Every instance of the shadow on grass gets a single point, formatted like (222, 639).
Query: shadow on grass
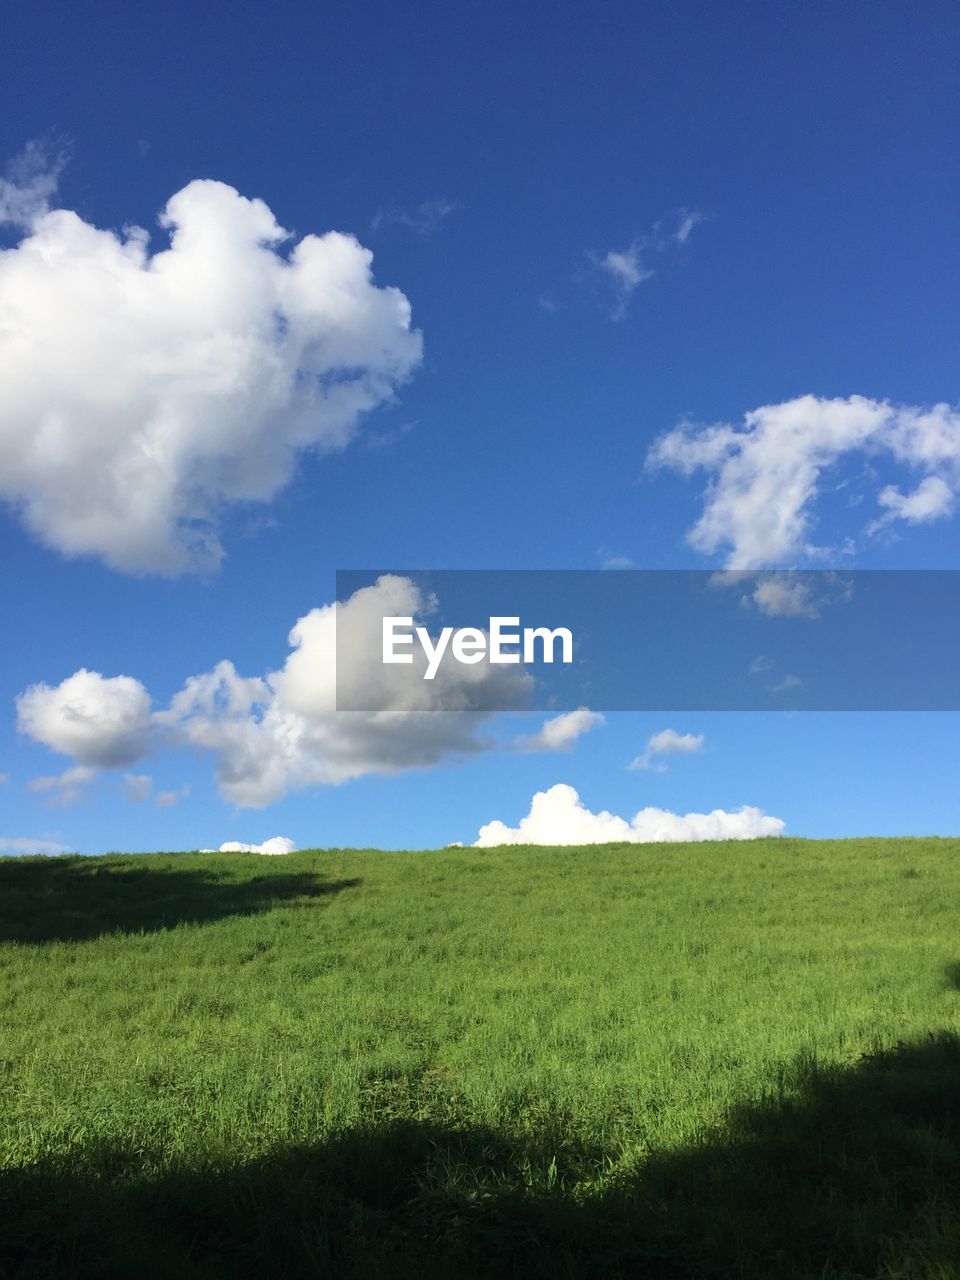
(845, 1173)
(75, 898)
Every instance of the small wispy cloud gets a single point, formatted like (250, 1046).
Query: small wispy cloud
(30, 182)
(167, 799)
(64, 789)
(689, 219)
(788, 682)
(423, 218)
(666, 743)
(560, 733)
(624, 270)
(381, 441)
(137, 787)
(27, 845)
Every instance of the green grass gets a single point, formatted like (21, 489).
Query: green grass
(714, 1060)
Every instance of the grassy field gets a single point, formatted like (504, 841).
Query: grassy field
(709, 1060)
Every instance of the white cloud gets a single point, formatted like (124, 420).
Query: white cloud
(67, 788)
(96, 720)
(276, 845)
(558, 817)
(932, 499)
(143, 393)
(30, 183)
(626, 271)
(666, 743)
(27, 845)
(782, 596)
(561, 732)
(281, 732)
(764, 476)
(689, 218)
(137, 787)
(785, 593)
(4, 779)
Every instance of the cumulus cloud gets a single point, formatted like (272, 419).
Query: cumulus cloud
(27, 845)
(932, 499)
(558, 817)
(561, 732)
(276, 845)
(64, 789)
(145, 391)
(666, 743)
(97, 720)
(764, 475)
(281, 732)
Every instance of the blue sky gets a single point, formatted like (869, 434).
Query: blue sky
(786, 174)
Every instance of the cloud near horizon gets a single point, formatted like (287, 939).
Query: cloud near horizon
(26, 845)
(559, 817)
(275, 846)
(764, 476)
(145, 392)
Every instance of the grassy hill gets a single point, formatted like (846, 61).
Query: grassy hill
(714, 1060)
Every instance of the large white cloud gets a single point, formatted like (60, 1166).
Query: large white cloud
(558, 817)
(282, 732)
(144, 392)
(98, 721)
(764, 475)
